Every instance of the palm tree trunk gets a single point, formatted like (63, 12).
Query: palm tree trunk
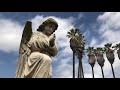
(73, 64)
(102, 72)
(82, 73)
(92, 71)
(80, 67)
(118, 52)
(113, 71)
(79, 70)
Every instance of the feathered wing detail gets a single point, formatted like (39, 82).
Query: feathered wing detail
(24, 51)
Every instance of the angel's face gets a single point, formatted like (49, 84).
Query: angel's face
(49, 29)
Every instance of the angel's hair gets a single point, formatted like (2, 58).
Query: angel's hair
(48, 21)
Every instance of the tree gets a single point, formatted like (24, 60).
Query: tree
(99, 57)
(91, 58)
(117, 47)
(110, 55)
(77, 45)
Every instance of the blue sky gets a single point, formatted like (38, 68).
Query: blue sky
(98, 28)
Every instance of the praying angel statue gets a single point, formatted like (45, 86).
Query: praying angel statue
(36, 50)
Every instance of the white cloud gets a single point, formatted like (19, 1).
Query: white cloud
(111, 19)
(37, 21)
(109, 27)
(109, 32)
(65, 68)
(10, 34)
(63, 71)
(93, 42)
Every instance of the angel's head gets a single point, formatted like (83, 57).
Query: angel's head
(49, 26)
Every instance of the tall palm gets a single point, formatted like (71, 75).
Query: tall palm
(77, 46)
(91, 58)
(72, 35)
(110, 55)
(117, 47)
(99, 57)
(79, 52)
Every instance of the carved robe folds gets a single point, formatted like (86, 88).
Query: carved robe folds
(39, 63)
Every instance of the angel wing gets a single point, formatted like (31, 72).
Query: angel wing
(24, 51)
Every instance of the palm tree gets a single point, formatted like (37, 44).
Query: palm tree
(99, 57)
(72, 34)
(79, 53)
(110, 55)
(117, 47)
(91, 58)
(77, 45)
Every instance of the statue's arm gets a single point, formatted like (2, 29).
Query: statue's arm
(54, 50)
(44, 45)
(53, 45)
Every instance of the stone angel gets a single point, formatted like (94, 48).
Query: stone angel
(36, 50)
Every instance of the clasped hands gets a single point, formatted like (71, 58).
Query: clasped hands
(52, 40)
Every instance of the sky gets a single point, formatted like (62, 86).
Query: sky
(98, 28)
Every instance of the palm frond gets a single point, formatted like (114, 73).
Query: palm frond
(108, 45)
(100, 50)
(117, 46)
(90, 50)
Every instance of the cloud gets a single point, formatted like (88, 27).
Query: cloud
(81, 15)
(36, 21)
(93, 42)
(109, 31)
(10, 34)
(63, 64)
(110, 20)
(63, 68)
(109, 27)
(106, 30)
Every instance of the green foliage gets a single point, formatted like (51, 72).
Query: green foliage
(117, 46)
(76, 35)
(108, 45)
(77, 42)
(90, 50)
(100, 50)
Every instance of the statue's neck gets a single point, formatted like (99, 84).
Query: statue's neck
(46, 34)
